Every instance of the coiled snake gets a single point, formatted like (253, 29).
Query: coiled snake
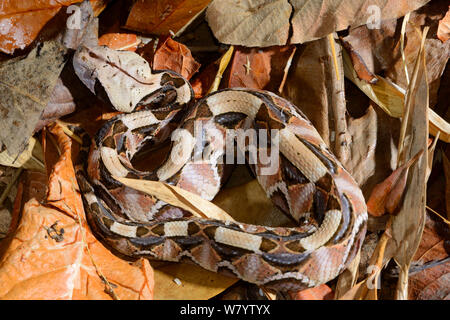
(308, 182)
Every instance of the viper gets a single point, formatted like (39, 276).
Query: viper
(305, 180)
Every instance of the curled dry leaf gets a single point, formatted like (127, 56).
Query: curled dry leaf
(386, 195)
(21, 21)
(53, 255)
(266, 23)
(175, 56)
(115, 70)
(443, 32)
(163, 16)
(120, 41)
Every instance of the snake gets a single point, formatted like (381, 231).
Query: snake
(294, 167)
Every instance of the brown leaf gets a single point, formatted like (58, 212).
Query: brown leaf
(119, 41)
(175, 56)
(386, 195)
(358, 64)
(26, 85)
(53, 255)
(266, 22)
(431, 283)
(22, 21)
(380, 48)
(447, 183)
(259, 68)
(322, 292)
(163, 16)
(315, 84)
(443, 32)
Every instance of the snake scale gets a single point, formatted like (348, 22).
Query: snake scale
(308, 183)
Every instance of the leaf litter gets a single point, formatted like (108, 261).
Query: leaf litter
(370, 92)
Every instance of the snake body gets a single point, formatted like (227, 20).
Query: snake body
(308, 183)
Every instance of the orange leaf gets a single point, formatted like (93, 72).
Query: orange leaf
(175, 56)
(258, 68)
(386, 195)
(21, 21)
(162, 16)
(53, 255)
(322, 292)
(119, 41)
(204, 80)
(443, 32)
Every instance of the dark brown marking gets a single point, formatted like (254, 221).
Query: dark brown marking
(210, 232)
(267, 245)
(325, 182)
(95, 208)
(177, 82)
(203, 111)
(319, 204)
(333, 203)
(329, 163)
(119, 127)
(109, 142)
(230, 120)
(279, 199)
(291, 174)
(229, 252)
(347, 214)
(295, 246)
(187, 243)
(159, 229)
(193, 228)
(145, 130)
(264, 115)
(284, 259)
(107, 222)
(141, 231)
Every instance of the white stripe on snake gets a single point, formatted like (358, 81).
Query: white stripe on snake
(309, 184)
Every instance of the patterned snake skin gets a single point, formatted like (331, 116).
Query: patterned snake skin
(308, 183)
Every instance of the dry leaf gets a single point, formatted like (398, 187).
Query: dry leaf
(115, 70)
(120, 41)
(172, 55)
(266, 23)
(431, 283)
(260, 23)
(408, 225)
(53, 255)
(322, 292)
(21, 21)
(61, 103)
(26, 85)
(443, 32)
(387, 194)
(163, 16)
(446, 164)
(318, 91)
(381, 49)
(259, 68)
(180, 281)
(390, 98)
